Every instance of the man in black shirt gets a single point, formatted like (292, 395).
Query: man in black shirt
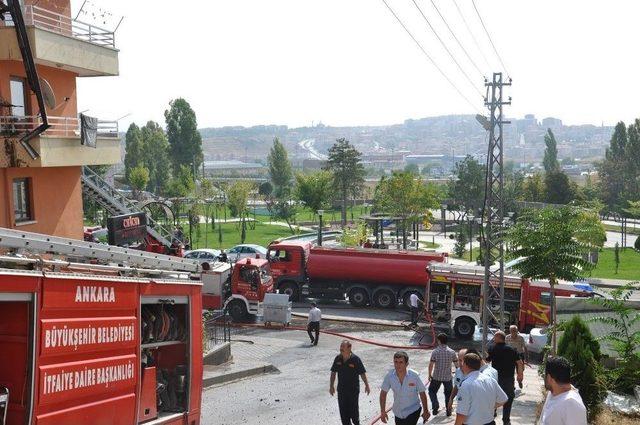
(349, 369)
(506, 361)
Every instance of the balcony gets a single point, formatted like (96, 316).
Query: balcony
(62, 42)
(59, 146)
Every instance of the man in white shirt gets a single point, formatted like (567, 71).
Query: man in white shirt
(313, 323)
(563, 405)
(408, 392)
(479, 394)
(413, 302)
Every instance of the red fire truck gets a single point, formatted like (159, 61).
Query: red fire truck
(96, 342)
(365, 276)
(455, 298)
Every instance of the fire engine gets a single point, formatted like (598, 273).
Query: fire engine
(93, 333)
(455, 298)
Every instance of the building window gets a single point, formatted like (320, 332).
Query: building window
(18, 97)
(22, 200)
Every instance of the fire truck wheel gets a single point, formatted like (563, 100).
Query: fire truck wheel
(358, 297)
(385, 298)
(291, 289)
(464, 328)
(237, 310)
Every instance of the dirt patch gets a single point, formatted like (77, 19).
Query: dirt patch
(607, 417)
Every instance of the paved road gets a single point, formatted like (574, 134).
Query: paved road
(298, 393)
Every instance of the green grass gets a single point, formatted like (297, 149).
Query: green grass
(261, 235)
(465, 257)
(629, 268)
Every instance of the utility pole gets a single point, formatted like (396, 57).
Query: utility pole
(493, 244)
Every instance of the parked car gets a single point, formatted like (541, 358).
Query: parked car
(246, 251)
(537, 340)
(203, 255)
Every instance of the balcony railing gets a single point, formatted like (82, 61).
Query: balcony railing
(61, 24)
(60, 126)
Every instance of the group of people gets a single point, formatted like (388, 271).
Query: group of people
(476, 389)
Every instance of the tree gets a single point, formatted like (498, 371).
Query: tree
(404, 194)
(138, 179)
(533, 189)
(558, 188)
(582, 350)
(467, 190)
(550, 161)
(553, 244)
(314, 190)
(412, 168)
(265, 189)
(461, 244)
(348, 172)
(280, 171)
(156, 156)
(624, 337)
(616, 256)
(237, 197)
(184, 139)
(619, 172)
(133, 155)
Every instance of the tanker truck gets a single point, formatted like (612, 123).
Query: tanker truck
(364, 276)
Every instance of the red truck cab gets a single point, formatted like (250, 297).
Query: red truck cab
(250, 280)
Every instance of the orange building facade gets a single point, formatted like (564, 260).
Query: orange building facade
(44, 195)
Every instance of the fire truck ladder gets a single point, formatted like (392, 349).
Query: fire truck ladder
(115, 203)
(36, 242)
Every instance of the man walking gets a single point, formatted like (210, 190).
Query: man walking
(479, 394)
(515, 340)
(440, 373)
(349, 369)
(313, 323)
(408, 392)
(563, 405)
(506, 361)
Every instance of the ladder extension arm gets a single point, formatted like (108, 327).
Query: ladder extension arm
(36, 242)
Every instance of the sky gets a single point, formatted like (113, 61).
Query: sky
(349, 62)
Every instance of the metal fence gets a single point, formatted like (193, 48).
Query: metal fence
(61, 24)
(217, 330)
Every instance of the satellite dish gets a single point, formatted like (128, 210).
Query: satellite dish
(47, 93)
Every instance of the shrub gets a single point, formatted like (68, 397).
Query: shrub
(461, 242)
(636, 245)
(583, 352)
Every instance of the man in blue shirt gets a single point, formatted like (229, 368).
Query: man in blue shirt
(479, 395)
(408, 392)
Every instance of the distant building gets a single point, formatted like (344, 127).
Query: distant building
(232, 167)
(551, 122)
(529, 122)
(313, 164)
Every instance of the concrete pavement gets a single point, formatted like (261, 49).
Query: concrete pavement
(299, 392)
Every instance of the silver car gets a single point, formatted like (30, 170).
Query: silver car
(246, 251)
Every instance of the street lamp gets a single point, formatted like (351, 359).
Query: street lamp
(470, 219)
(444, 219)
(320, 212)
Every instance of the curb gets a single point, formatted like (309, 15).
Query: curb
(240, 374)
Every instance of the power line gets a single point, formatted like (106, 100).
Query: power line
(489, 36)
(473, 37)
(456, 38)
(447, 49)
(430, 58)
